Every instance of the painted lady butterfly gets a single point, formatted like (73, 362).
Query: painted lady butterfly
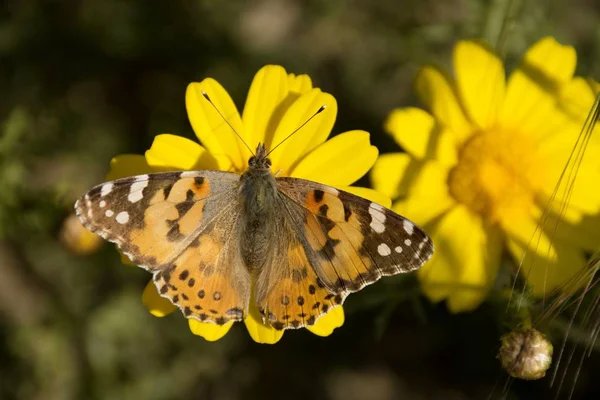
(216, 240)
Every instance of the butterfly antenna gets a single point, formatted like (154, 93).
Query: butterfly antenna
(321, 109)
(226, 121)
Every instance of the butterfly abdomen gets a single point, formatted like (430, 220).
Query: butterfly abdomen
(258, 197)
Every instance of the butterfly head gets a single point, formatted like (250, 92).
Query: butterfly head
(260, 161)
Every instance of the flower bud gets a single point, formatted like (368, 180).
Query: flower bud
(525, 354)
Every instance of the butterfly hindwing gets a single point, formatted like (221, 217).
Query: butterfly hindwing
(181, 227)
(336, 243)
(288, 292)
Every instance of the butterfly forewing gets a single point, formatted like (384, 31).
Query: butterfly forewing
(180, 226)
(336, 244)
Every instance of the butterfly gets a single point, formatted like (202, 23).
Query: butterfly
(215, 241)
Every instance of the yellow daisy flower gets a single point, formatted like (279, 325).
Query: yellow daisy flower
(76, 238)
(277, 104)
(482, 164)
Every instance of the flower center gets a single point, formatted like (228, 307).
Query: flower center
(493, 174)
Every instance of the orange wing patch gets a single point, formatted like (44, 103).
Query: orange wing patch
(200, 283)
(335, 233)
(173, 214)
(298, 299)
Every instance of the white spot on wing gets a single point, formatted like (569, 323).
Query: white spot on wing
(188, 174)
(398, 249)
(135, 191)
(377, 218)
(106, 189)
(102, 204)
(421, 245)
(122, 217)
(376, 206)
(408, 226)
(384, 250)
(109, 213)
(408, 242)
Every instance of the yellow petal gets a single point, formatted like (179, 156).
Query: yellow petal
(170, 152)
(427, 196)
(416, 132)
(438, 276)
(329, 163)
(530, 103)
(435, 91)
(546, 272)
(214, 130)
(530, 109)
(577, 97)
(368, 194)
(480, 82)
(124, 259)
(479, 269)
(299, 83)
(393, 173)
(259, 332)
(210, 332)
(268, 99)
(157, 305)
(76, 238)
(309, 136)
(465, 262)
(567, 146)
(551, 59)
(328, 322)
(579, 182)
(585, 193)
(524, 229)
(125, 165)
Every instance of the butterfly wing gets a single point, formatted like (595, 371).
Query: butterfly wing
(183, 227)
(335, 243)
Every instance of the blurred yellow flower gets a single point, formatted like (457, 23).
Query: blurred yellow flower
(276, 105)
(76, 238)
(482, 164)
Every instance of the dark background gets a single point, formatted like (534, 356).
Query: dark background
(82, 81)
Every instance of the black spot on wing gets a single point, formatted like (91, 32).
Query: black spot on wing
(347, 212)
(167, 190)
(299, 274)
(174, 235)
(318, 195)
(323, 210)
(186, 205)
(277, 325)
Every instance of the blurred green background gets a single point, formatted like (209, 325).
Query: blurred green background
(82, 81)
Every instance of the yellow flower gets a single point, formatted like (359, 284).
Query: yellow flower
(276, 105)
(482, 164)
(76, 238)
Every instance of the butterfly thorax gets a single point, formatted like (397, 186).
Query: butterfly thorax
(258, 195)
